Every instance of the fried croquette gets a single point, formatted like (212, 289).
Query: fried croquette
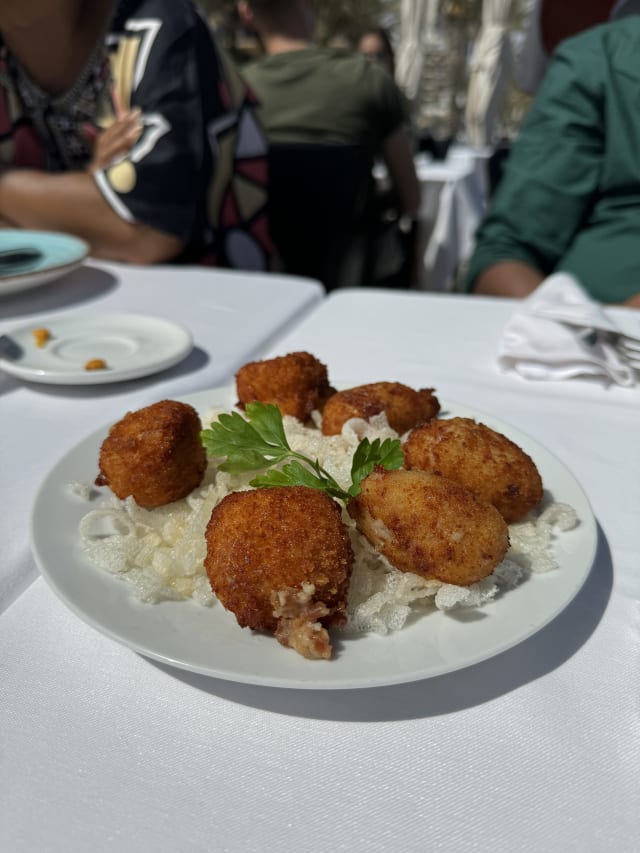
(430, 526)
(484, 461)
(280, 559)
(154, 454)
(297, 383)
(405, 407)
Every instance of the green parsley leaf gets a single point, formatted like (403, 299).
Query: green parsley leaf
(245, 448)
(292, 474)
(266, 419)
(258, 441)
(368, 454)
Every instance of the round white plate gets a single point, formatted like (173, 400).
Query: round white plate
(209, 641)
(61, 253)
(132, 345)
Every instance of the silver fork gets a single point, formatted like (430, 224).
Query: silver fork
(626, 347)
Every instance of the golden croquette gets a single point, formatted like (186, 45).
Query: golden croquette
(154, 454)
(430, 526)
(404, 407)
(486, 462)
(297, 383)
(280, 559)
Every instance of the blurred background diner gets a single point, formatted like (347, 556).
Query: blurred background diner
(461, 111)
(133, 133)
(375, 43)
(380, 130)
(328, 113)
(569, 197)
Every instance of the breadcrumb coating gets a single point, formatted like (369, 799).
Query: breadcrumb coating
(154, 454)
(430, 526)
(486, 462)
(267, 545)
(404, 407)
(297, 383)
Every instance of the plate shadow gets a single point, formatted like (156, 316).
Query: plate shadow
(533, 658)
(84, 284)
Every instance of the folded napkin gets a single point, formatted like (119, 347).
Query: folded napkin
(560, 332)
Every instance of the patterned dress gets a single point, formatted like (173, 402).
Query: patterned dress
(199, 169)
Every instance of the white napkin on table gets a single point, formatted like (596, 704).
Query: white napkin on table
(557, 333)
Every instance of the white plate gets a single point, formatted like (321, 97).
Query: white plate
(132, 345)
(209, 641)
(61, 253)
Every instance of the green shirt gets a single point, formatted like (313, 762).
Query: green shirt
(570, 195)
(325, 96)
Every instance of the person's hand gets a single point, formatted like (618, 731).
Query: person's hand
(115, 142)
(632, 301)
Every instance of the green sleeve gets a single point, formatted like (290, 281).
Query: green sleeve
(552, 174)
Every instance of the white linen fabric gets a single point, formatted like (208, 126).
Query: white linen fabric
(454, 195)
(490, 70)
(461, 206)
(556, 333)
(535, 750)
(410, 51)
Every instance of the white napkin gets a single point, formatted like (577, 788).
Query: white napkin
(560, 332)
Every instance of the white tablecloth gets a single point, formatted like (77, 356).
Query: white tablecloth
(535, 750)
(230, 315)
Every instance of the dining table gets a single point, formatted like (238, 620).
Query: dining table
(530, 745)
(229, 315)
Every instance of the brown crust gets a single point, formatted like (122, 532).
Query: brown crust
(405, 407)
(486, 462)
(430, 526)
(265, 541)
(297, 383)
(154, 454)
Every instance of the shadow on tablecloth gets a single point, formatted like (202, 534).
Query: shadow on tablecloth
(530, 660)
(83, 285)
(194, 362)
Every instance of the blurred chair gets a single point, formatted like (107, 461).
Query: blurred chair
(319, 201)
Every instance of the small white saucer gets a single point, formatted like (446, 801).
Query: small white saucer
(131, 345)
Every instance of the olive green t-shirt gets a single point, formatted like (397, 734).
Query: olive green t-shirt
(325, 96)
(570, 196)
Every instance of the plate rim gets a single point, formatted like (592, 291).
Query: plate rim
(48, 272)
(588, 523)
(83, 377)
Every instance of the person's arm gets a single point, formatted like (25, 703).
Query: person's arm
(150, 203)
(632, 301)
(397, 154)
(71, 202)
(508, 278)
(550, 181)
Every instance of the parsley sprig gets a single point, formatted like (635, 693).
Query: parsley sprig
(258, 441)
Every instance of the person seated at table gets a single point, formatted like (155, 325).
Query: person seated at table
(376, 44)
(569, 198)
(318, 96)
(120, 123)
